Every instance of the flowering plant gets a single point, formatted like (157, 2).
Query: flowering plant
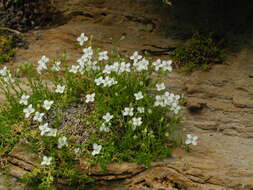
(124, 107)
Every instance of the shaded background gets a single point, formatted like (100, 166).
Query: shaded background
(228, 19)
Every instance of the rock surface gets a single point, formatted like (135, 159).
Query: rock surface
(219, 102)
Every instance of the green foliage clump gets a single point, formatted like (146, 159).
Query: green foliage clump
(200, 51)
(7, 51)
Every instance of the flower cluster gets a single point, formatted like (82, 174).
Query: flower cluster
(86, 64)
(141, 65)
(163, 65)
(105, 81)
(117, 67)
(45, 130)
(168, 99)
(5, 74)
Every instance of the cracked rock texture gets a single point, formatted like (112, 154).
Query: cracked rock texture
(219, 102)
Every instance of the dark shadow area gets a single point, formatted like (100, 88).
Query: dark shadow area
(229, 20)
(24, 15)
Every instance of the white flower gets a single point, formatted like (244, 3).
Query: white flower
(107, 117)
(160, 86)
(157, 64)
(135, 57)
(112, 68)
(99, 81)
(41, 67)
(90, 98)
(108, 69)
(159, 101)
(115, 67)
(8, 78)
(142, 65)
(88, 52)
(4, 71)
(124, 67)
(108, 82)
(141, 109)
(59, 89)
(168, 99)
(138, 95)
(191, 139)
(28, 111)
(42, 64)
(47, 131)
(52, 132)
(104, 128)
(95, 67)
(46, 160)
(176, 109)
(77, 150)
(47, 104)
(82, 38)
(74, 69)
(128, 112)
(172, 100)
(56, 66)
(166, 65)
(96, 149)
(81, 61)
(38, 116)
(44, 129)
(88, 65)
(24, 99)
(62, 141)
(103, 56)
(43, 59)
(136, 121)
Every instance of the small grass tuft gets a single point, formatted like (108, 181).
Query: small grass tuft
(7, 51)
(201, 51)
